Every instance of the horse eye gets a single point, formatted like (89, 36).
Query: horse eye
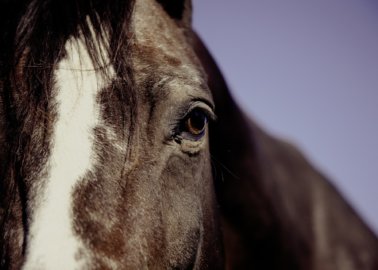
(195, 123)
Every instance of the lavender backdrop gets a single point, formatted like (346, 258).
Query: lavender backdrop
(308, 71)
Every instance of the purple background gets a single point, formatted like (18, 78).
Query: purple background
(307, 71)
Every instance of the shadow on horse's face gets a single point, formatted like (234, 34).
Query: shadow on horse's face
(116, 191)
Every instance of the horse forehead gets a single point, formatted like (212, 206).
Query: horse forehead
(160, 43)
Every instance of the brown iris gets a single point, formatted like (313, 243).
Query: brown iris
(196, 123)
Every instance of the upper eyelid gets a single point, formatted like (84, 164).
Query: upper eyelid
(205, 106)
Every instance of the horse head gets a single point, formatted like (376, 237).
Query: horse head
(121, 148)
(109, 165)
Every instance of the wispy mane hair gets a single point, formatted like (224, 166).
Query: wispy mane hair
(33, 34)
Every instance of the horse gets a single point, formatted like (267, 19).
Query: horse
(122, 148)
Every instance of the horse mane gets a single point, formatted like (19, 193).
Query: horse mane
(33, 34)
(45, 25)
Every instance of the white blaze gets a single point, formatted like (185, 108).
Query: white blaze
(52, 243)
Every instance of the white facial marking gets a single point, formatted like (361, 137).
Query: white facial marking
(52, 243)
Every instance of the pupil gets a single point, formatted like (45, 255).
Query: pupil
(198, 121)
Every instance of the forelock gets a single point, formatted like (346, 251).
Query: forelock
(33, 34)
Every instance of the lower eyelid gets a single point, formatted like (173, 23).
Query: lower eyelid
(188, 136)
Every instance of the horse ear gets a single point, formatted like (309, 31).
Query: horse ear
(180, 10)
